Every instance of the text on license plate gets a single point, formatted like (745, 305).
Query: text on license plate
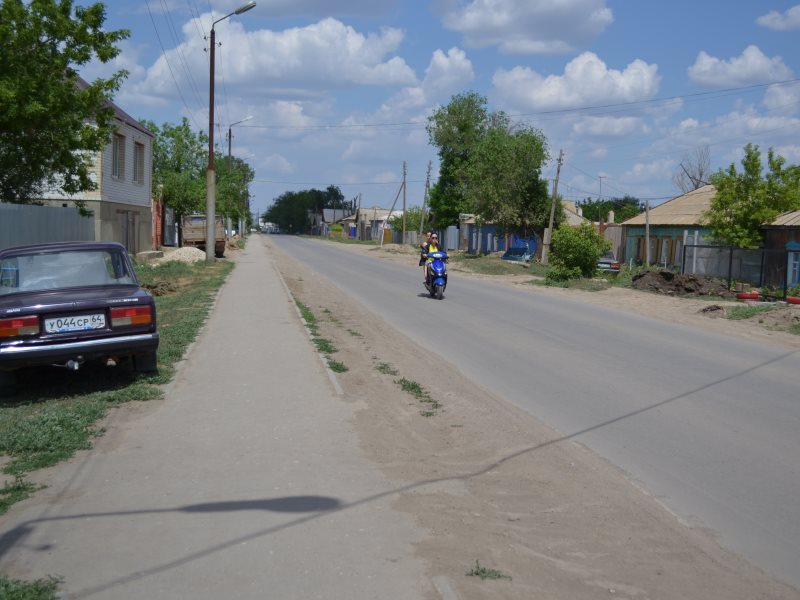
(75, 323)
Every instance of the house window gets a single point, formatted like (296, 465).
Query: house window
(118, 157)
(138, 163)
(794, 268)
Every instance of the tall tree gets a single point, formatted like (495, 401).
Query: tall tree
(746, 200)
(624, 208)
(454, 130)
(504, 175)
(694, 170)
(179, 165)
(234, 176)
(52, 122)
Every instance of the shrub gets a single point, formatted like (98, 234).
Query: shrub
(577, 248)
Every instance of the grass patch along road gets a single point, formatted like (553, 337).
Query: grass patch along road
(56, 412)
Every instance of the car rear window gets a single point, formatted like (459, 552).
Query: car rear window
(54, 270)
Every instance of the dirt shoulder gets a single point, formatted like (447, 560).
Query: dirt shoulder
(490, 483)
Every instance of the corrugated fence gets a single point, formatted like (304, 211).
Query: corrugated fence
(22, 224)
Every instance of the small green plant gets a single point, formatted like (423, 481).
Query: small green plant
(337, 367)
(323, 345)
(416, 390)
(308, 317)
(354, 333)
(39, 589)
(795, 329)
(13, 492)
(486, 572)
(740, 313)
(386, 369)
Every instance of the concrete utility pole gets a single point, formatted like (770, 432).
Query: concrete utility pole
(211, 176)
(548, 234)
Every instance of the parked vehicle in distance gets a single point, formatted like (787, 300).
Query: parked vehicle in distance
(193, 233)
(67, 303)
(608, 263)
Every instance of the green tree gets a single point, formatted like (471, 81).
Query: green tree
(180, 158)
(624, 208)
(575, 252)
(505, 184)
(234, 176)
(52, 122)
(413, 217)
(746, 200)
(455, 129)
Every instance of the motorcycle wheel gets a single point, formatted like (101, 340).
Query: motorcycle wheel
(439, 291)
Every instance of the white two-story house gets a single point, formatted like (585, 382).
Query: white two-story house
(121, 204)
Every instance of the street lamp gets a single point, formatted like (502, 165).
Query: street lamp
(230, 137)
(211, 190)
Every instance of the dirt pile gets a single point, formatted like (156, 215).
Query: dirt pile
(671, 284)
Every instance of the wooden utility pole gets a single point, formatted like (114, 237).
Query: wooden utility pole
(647, 230)
(405, 172)
(548, 234)
(425, 198)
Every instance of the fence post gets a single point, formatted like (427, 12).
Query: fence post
(730, 267)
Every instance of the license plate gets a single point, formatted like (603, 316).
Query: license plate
(75, 323)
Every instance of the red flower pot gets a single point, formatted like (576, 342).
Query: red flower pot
(747, 296)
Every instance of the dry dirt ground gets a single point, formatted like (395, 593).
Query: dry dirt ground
(492, 484)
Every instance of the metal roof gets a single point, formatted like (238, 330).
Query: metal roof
(688, 209)
(790, 219)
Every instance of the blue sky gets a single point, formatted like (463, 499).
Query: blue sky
(339, 91)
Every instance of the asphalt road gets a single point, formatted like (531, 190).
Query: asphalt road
(706, 423)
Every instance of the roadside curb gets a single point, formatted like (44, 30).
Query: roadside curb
(331, 375)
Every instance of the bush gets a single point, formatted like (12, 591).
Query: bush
(577, 249)
(558, 273)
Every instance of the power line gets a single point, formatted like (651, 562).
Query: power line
(169, 66)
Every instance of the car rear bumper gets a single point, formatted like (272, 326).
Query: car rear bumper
(22, 355)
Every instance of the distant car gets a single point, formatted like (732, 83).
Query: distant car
(67, 303)
(608, 263)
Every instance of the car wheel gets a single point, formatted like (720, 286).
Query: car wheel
(145, 363)
(8, 384)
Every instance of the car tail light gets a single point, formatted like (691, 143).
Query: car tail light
(131, 315)
(19, 326)
(615, 265)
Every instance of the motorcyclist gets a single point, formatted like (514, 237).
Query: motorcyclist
(431, 246)
(423, 250)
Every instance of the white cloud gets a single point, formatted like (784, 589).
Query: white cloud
(310, 8)
(752, 67)
(609, 126)
(660, 168)
(790, 152)
(528, 26)
(599, 153)
(586, 81)
(783, 99)
(786, 21)
(277, 164)
(303, 61)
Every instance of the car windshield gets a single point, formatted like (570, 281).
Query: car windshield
(72, 268)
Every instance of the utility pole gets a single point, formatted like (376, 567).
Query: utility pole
(425, 198)
(647, 230)
(601, 177)
(405, 173)
(548, 234)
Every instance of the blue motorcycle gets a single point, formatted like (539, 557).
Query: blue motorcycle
(436, 281)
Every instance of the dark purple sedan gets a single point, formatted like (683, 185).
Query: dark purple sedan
(68, 303)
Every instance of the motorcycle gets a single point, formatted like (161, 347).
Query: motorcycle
(436, 280)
